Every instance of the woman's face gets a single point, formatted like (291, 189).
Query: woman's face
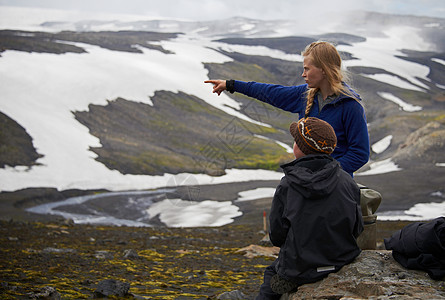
(313, 76)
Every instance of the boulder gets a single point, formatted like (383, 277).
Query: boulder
(47, 292)
(111, 288)
(374, 274)
(232, 295)
(130, 254)
(252, 251)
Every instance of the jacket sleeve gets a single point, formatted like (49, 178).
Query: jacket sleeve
(289, 98)
(356, 130)
(279, 226)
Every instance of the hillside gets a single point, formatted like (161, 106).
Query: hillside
(180, 133)
(181, 128)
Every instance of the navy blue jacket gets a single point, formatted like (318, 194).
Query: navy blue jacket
(420, 246)
(315, 219)
(345, 114)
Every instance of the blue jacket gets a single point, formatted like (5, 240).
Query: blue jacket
(345, 114)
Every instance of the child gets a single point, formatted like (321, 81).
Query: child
(315, 216)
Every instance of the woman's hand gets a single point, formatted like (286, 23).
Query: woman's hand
(219, 86)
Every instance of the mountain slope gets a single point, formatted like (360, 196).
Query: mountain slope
(139, 105)
(180, 133)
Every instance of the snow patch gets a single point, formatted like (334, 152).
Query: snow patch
(181, 213)
(402, 104)
(385, 53)
(438, 60)
(255, 194)
(419, 212)
(257, 50)
(285, 146)
(380, 167)
(382, 145)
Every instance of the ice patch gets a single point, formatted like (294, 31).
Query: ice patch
(419, 212)
(438, 60)
(254, 194)
(385, 52)
(285, 146)
(257, 50)
(42, 100)
(180, 213)
(438, 194)
(394, 80)
(382, 145)
(380, 167)
(432, 25)
(402, 104)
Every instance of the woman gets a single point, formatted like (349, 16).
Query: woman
(325, 96)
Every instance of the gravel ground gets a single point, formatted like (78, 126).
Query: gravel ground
(167, 263)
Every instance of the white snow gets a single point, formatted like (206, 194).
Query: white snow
(393, 80)
(382, 52)
(419, 212)
(382, 145)
(285, 146)
(432, 25)
(402, 104)
(257, 50)
(40, 91)
(438, 60)
(173, 212)
(255, 194)
(380, 167)
(180, 213)
(41, 99)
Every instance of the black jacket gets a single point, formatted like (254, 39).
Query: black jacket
(420, 246)
(315, 219)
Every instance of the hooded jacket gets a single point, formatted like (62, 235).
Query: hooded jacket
(315, 219)
(344, 114)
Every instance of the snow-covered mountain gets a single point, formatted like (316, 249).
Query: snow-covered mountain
(396, 62)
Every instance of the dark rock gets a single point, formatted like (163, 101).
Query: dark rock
(58, 250)
(111, 287)
(373, 274)
(130, 253)
(232, 295)
(47, 292)
(103, 255)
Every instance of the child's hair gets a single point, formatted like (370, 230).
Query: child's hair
(325, 56)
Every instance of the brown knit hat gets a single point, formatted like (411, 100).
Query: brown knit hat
(313, 135)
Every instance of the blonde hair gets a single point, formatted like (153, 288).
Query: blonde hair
(326, 57)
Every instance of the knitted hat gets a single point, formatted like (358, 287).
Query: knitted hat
(313, 135)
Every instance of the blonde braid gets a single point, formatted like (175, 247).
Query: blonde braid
(310, 100)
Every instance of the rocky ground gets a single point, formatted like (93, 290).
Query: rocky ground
(156, 262)
(161, 263)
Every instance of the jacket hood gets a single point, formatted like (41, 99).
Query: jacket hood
(313, 175)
